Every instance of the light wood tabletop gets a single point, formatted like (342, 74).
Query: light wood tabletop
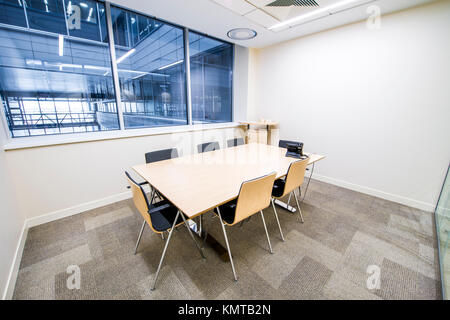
(200, 182)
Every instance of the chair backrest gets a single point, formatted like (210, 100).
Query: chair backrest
(140, 199)
(254, 196)
(235, 142)
(209, 146)
(160, 155)
(284, 143)
(295, 175)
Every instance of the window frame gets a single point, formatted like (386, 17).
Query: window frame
(23, 142)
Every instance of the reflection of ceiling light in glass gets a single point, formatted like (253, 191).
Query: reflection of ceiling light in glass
(61, 45)
(313, 14)
(241, 34)
(133, 20)
(34, 62)
(171, 65)
(86, 66)
(126, 55)
(90, 14)
(84, 5)
(68, 65)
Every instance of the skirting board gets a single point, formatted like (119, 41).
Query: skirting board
(32, 222)
(377, 193)
(11, 283)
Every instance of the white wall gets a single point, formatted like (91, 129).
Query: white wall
(60, 180)
(375, 102)
(240, 82)
(11, 226)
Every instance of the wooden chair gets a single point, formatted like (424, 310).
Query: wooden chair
(235, 142)
(155, 156)
(209, 146)
(161, 217)
(254, 196)
(293, 180)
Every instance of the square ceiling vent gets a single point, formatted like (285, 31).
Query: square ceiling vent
(277, 14)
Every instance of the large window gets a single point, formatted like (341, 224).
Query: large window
(211, 79)
(151, 68)
(56, 73)
(51, 83)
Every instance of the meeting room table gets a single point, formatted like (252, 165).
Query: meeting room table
(198, 183)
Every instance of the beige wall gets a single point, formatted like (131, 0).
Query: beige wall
(375, 102)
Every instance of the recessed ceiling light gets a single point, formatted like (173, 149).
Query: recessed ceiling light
(241, 34)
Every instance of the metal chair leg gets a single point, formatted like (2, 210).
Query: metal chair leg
(228, 245)
(162, 235)
(278, 221)
(192, 236)
(139, 238)
(267, 233)
(164, 251)
(299, 210)
(289, 200)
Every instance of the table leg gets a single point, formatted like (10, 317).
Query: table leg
(197, 229)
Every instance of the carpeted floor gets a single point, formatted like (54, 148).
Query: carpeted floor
(325, 258)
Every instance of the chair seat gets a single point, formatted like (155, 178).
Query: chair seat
(163, 219)
(228, 211)
(278, 187)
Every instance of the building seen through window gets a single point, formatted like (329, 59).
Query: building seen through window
(56, 72)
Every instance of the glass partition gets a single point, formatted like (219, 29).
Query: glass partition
(442, 216)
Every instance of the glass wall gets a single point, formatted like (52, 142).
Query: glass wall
(211, 79)
(442, 217)
(56, 70)
(150, 61)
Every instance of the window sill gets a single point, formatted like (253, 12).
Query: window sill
(44, 141)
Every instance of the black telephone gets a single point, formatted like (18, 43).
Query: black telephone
(295, 150)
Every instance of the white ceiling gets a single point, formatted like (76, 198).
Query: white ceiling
(212, 18)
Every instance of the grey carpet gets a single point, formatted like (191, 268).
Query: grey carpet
(324, 258)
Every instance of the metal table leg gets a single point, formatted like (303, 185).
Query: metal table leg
(198, 230)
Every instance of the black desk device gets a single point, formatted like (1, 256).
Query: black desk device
(295, 151)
